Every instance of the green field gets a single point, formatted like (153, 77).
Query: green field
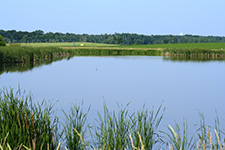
(205, 46)
(68, 44)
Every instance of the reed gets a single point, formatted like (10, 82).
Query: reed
(205, 137)
(194, 53)
(113, 129)
(23, 121)
(22, 54)
(146, 124)
(28, 125)
(116, 129)
(178, 139)
(74, 127)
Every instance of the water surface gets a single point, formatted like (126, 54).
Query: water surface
(183, 87)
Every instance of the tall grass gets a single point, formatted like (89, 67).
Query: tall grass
(202, 139)
(179, 139)
(116, 129)
(113, 129)
(146, 124)
(190, 46)
(194, 53)
(74, 127)
(24, 122)
(21, 54)
(26, 54)
(28, 125)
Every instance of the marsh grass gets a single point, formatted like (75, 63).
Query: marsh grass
(33, 126)
(23, 121)
(146, 126)
(202, 139)
(74, 127)
(22, 54)
(115, 130)
(39, 52)
(190, 46)
(178, 139)
(194, 53)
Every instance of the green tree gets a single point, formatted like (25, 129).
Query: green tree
(2, 42)
(165, 41)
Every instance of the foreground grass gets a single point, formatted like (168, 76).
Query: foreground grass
(24, 122)
(28, 125)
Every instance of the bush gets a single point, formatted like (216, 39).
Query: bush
(2, 42)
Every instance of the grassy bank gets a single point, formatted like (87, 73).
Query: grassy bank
(190, 46)
(26, 124)
(39, 52)
(21, 54)
(203, 46)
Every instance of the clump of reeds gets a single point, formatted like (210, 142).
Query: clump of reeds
(146, 123)
(74, 128)
(22, 54)
(201, 139)
(178, 139)
(205, 137)
(23, 121)
(116, 129)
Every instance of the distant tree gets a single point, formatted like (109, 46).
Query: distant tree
(165, 41)
(2, 42)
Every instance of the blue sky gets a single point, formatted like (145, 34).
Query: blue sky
(158, 17)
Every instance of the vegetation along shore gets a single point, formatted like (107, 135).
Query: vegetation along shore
(40, 52)
(26, 124)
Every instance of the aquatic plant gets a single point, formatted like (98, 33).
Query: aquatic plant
(116, 129)
(23, 121)
(74, 127)
(178, 139)
(146, 124)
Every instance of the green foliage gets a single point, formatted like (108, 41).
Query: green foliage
(179, 140)
(68, 44)
(113, 129)
(116, 129)
(181, 46)
(74, 127)
(28, 125)
(24, 122)
(39, 36)
(21, 54)
(2, 42)
(146, 124)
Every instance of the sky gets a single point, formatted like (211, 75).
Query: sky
(148, 17)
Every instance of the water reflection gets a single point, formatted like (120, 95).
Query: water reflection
(192, 59)
(23, 67)
(9, 68)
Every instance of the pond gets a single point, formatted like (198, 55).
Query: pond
(185, 88)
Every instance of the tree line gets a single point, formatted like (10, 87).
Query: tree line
(38, 36)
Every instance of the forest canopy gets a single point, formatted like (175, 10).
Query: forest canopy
(38, 36)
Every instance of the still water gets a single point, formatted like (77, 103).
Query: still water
(185, 88)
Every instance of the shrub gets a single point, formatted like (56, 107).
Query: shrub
(2, 42)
